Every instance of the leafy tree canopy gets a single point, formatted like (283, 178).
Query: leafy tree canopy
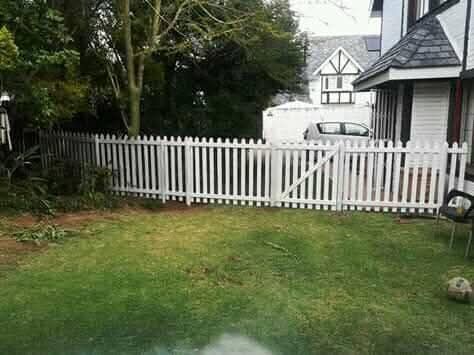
(45, 80)
(209, 68)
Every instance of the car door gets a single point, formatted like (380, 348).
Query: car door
(330, 131)
(356, 132)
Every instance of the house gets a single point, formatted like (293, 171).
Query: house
(334, 63)
(424, 76)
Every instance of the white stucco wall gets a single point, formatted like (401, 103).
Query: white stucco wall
(315, 90)
(470, 50)
(289, 125)
(430, 111)
(453, 21)
(391, 24)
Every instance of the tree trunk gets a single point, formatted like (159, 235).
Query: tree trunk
(134, 108)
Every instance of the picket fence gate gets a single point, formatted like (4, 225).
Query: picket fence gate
(377, 176)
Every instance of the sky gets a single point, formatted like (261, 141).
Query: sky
(335, 17)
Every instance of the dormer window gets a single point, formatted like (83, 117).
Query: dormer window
(418, 8)
(435, 3)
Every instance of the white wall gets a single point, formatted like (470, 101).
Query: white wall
(430, 111)
(289, 125)
(470, 50)
(364, 98)
(391, 24)
(453, 21)
(315, 90)
(346, 113)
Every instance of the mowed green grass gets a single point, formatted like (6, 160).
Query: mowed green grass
(294, 281)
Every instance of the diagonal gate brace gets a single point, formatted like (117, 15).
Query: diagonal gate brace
(307, 174)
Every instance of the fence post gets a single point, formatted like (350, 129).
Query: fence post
(97, 152)
(341, 177)
(162, 171)
(41, 149)
(188, 172)
(442, 173)
(275, 181)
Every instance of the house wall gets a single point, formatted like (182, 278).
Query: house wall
(391, 24)
(470, 49)
(289, 125)
(430, 111)
(453, 21)
(361, 98)
(315, 91)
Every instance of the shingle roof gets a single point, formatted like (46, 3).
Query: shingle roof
(426, 45)
(322, 47)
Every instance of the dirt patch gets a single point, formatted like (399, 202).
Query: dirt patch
(25, 221)
(85, 217)
(176, 206)
(82, 218)
(11, 252)
(66, 219)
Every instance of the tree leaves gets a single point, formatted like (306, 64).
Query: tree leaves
(8, 50)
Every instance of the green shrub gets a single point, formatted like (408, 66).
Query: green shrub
(66, 186)
(26, 195)
(92, 201)
(66, 178)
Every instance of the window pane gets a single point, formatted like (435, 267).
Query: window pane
(356, 130)
(412, 12)
(334, 97)
(435, 3)
(329, 128)
(372, 43)
(345, 98)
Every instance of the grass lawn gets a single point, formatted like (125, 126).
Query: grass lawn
(293, 281)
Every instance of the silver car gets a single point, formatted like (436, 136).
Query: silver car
(336, 132)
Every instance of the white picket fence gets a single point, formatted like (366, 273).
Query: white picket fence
(338, 176)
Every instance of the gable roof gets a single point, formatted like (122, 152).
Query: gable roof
(426, 45)
(332, 56)
(322, 48)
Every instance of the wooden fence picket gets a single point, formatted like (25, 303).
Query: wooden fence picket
(227, 171)
(219, 169)
(243, 172)
(235, 175)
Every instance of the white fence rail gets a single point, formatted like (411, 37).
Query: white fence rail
(378, 176)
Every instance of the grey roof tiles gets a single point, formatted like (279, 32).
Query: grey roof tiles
(426, 45)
